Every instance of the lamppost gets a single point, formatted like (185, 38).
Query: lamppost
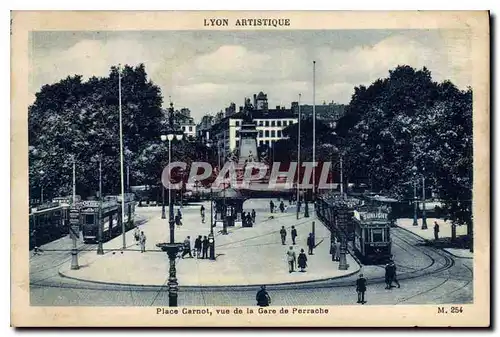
(100, 250)
(424, 217)
(41, 186)
(171, 248)
(298, 162)
(121, 153)
(415, 200)
(211, 238)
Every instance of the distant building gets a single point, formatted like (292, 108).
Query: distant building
(269, 123)
(181, 119)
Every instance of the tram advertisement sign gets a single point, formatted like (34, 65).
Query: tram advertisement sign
(74, 216)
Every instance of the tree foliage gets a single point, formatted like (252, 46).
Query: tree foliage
(406, 127)
(76, 119)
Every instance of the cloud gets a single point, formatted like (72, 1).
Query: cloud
(206, 76)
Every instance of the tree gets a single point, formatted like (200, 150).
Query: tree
(406, 127)
(76, 119)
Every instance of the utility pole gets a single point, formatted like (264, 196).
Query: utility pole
(298, 164)
(121, 154)
(100, 250)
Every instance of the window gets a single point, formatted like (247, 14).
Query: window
(267, 123)
(377, 235)
(267, 133)
(237, 123)
(267, 142)
(237, 143)
(279, 133)
(273, 123)
(190, 129)
(261, 142)
(273, 133)
(279, 123)
(261, 133)
(237, 133)
(261, 123)
(285, 123)
(89, 219)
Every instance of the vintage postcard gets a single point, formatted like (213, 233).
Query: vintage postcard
(250, 169)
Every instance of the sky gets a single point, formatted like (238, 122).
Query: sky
(207, 70)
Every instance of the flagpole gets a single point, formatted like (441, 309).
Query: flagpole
(314, 131)
(298, 165)
(121, 154)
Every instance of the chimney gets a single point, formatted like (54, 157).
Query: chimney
(278, 107)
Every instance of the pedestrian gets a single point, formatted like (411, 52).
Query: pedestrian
(197, 246)
(142, 241)
(388, 276)
(361, 289)
(283, 235)
(310, 243)
(263, 298)
(244, 219)
(204, 247)
(271, 206)
(393, 273)
(282, 206)
(253, 215)
(187, 248)
(178, 221)
(291, 258)
(179, 213)
(202, 213)
(294, 234)
(337, 250)
(302, 260)
(249, 219)
(436, 230)
(332, 249)
(137, 235)
(299, 203)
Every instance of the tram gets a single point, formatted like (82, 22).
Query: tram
(48, 221)
(111, 212)
(372, 235)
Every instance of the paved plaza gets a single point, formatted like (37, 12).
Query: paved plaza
(245, 256)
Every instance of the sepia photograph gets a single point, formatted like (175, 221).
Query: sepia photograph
(262, 168)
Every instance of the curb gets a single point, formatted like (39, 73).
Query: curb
(442, 249)
(221, 287)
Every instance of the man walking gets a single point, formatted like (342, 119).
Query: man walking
(137, 235)
(291, 258)
(263, 298)
(283, 235)
(310, 243)
(271, 206)
(253, 215)
(394, 278)
(294, 234)
(361, 289)
(282, 206)
(197, 246)
(204, 247)
(187, 248)
(202, 213)
(388, 276)
(142, 241)
(436, 230)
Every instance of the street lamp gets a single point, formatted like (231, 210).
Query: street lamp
(415, 203)
(41, 186)
(424, 217)
(171, 248)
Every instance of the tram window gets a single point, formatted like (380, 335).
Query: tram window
(89, 219)
(377, 235)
